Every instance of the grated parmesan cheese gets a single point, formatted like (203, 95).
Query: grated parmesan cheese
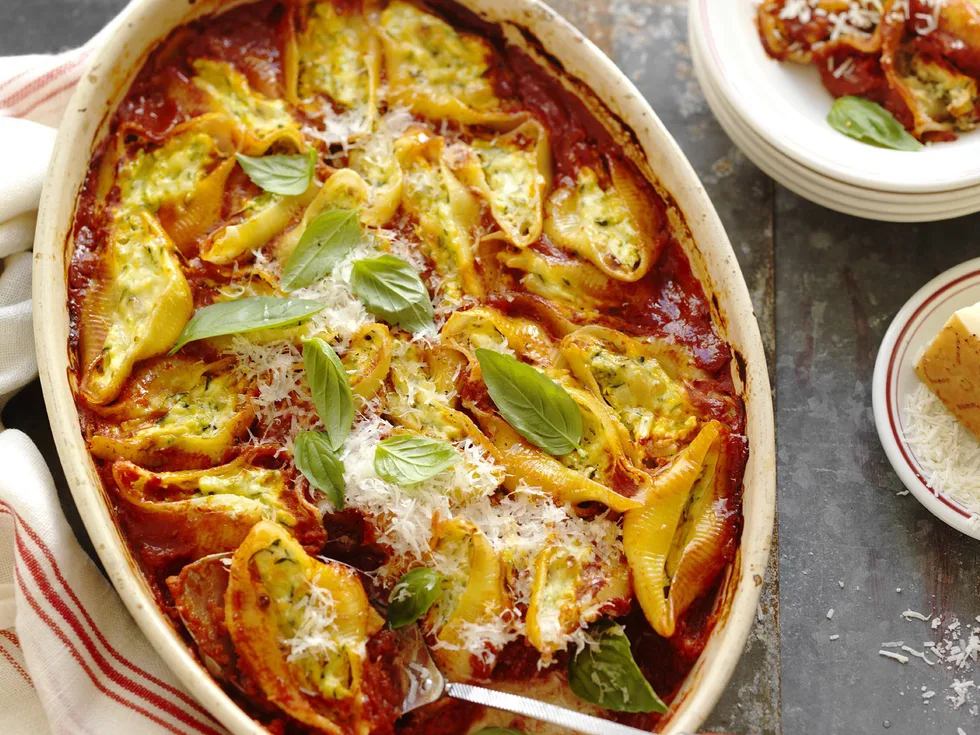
(845, 69)
(859, 19)
(948, 454)
(897, 656)
(518, 525)
(276, 370)
(316, 636)
(953, 652)
(918, 654)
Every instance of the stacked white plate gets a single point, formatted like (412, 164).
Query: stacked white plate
(777, 114)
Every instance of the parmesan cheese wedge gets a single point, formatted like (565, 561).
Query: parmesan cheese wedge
(950, 366)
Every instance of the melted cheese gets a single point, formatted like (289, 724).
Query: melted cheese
(436, 71)
(300, 626)
(473, 598)
(255, 224)
(138, 311)
(237, 487)
(191, 411)
(626, 374)
(422, 398)
(568, 281)
(447, 213)
(601, 225)
(572, 587)
(169, 173)
(338, 58)
(513, 173)
(264, 121)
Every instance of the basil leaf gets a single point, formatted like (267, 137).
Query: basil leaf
(245, 315)
(531, 402)
(324, 243)
(606, 674)
(413, 596)
(871, 123)
(320, 466)
(332, 396)
(392, 290)
(286, 175)
(409, 459)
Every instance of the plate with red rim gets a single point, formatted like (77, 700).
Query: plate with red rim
(914, 327)
(787, 105)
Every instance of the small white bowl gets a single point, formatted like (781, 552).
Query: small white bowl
(912, 330)
(787, 105)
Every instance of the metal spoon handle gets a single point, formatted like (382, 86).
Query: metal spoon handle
(567, 718)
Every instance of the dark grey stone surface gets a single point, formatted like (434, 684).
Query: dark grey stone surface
(825, 287)
(46, 26)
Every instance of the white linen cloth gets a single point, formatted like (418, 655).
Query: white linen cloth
(71, 658)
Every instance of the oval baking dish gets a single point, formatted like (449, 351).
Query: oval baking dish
(583, 72)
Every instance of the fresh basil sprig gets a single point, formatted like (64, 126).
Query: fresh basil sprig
(245, 315)
(606, 674)
(535, 405)
(320, 465)
(323, 244)
(332, 396)
(392, 290)
(408, 459)
(871, 123)
(412, 597)
(286, 175)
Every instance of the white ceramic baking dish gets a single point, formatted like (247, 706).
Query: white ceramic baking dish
(615, 101)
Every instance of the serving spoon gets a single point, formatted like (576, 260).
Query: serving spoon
(424, 684)
(204, 581)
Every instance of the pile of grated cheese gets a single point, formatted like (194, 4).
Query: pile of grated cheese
(315, 636)
(518, 525)
(947, 452)
(957, 650)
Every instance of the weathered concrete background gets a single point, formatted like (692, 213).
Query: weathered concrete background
(825, 287)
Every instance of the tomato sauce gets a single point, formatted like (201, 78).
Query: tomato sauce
(863, 77)
(668, 303)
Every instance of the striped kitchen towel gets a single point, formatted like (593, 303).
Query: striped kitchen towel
(71, 658)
